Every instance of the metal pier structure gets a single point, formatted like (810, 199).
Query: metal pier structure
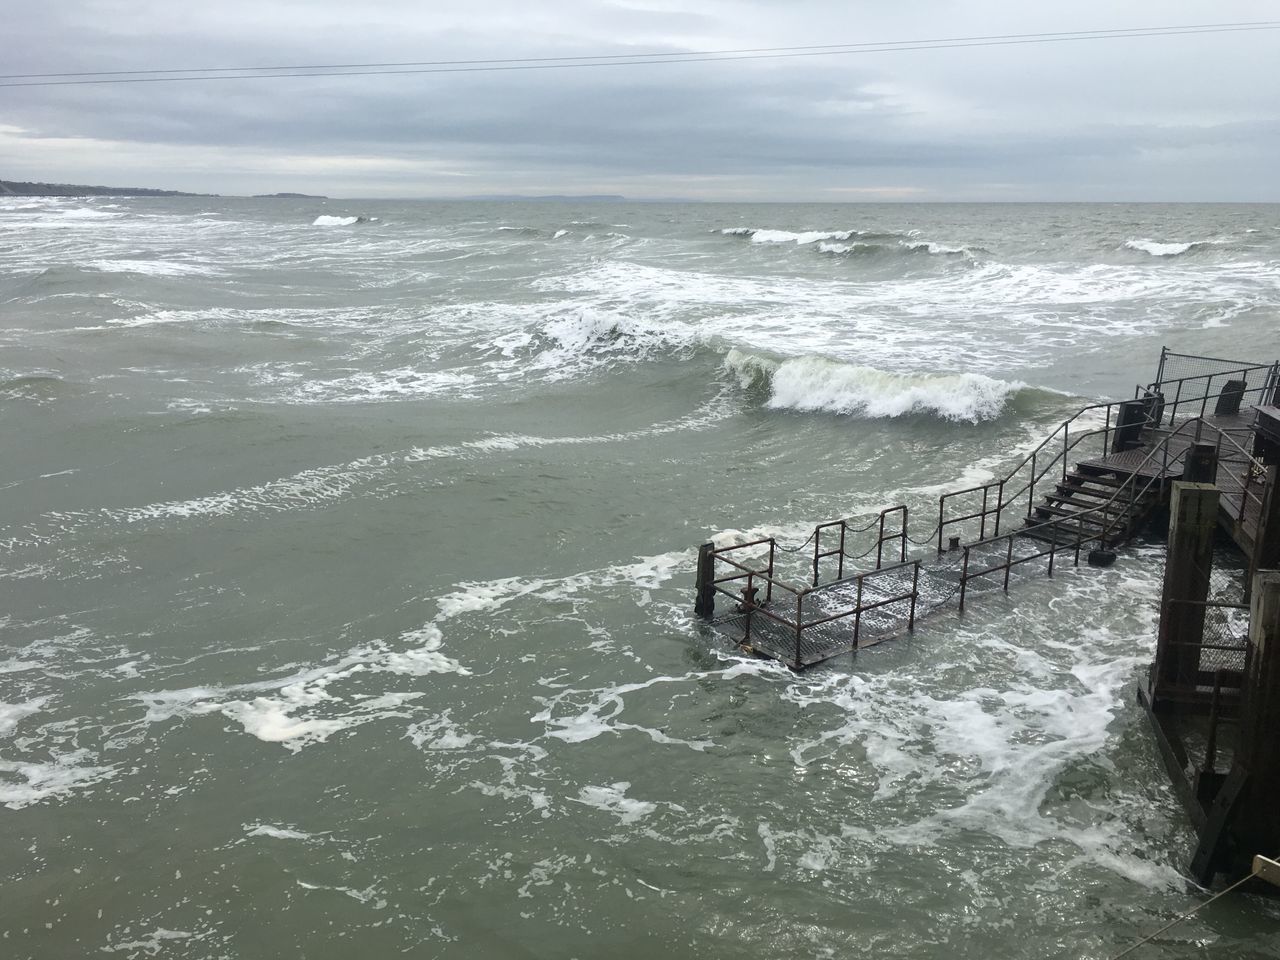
(1199, 445)
(1085, 489)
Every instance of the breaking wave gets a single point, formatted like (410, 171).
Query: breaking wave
(1160, 249)
(816, 384)
(327, 221)
(849, 241)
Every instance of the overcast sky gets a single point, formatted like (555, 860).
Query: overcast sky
(1175, 118)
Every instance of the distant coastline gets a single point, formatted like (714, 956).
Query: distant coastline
(20, 188)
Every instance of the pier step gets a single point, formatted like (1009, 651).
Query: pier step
(1084, 502)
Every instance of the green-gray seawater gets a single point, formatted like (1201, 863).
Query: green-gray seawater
(346, 579)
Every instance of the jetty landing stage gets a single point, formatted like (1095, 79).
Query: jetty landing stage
(1201, 445)
(1088, 487)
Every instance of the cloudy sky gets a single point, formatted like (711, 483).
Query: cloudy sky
(1173, 118)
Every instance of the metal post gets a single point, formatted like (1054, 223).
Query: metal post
(999, 506)
(1008, 564)
(941, 501)
(840, 561)
(1129, 422)
(915, 590)
(1200, 463)
(799, 625)
(880, 542)
(768, 590)
(857, 617)
(748, 601)
(964, 577)
(982, 521)
(1053, 545)
(1031, 486)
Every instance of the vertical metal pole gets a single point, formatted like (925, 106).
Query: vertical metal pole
(817, 550)
(1008, 564)
(1079, 537)
(840, 562)
(750, 603)
(1053, 544)
(857, 617)
(982, 521)
(799, 625)
(1031, 486)
(880, 542)
(768, 590)
(999, 506)
(915, 591)
(1106, 432)
(964, 577)
(941, 501)
(1066, 448)
(1204, 403)
(903, 555)
(1160, 369)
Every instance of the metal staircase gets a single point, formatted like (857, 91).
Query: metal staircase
(1092, 502)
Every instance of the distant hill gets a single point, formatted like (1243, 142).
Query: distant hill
(18, 188)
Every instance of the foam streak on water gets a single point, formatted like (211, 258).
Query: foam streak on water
(346, 553)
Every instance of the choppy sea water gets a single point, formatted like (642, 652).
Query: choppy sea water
(346, 567)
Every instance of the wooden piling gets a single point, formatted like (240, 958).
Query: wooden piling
(1193, 517)
(1256, 826)
(705, 602)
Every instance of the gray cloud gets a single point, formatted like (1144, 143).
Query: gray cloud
(1169, 118)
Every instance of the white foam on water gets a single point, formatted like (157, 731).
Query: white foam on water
(1002, 746)
(438, 733)
(275, 832)
(613, 799)
(559, 233)
(155, 268)
(154, 944)
(324, 220)
(300, 709)
(808, 384)
(11, 714)
(394, 385)
(28, 782)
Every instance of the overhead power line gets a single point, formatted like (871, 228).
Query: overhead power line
(392, 68)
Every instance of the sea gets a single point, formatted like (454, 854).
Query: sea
(347, 554)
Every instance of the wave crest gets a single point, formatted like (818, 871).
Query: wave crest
(1159, 248)
(816, 384)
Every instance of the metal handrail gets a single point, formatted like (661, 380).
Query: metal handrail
(1109, 517)
(1005, 498)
